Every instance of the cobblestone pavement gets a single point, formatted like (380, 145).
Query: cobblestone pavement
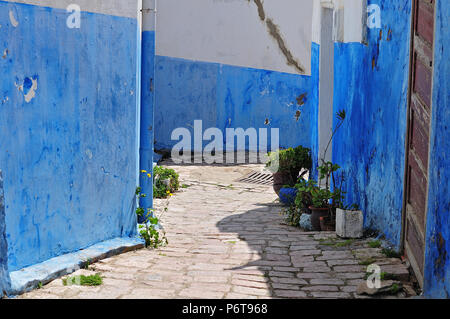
(227, 240)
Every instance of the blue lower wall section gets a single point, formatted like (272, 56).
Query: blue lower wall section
(371, 83)
(69, 155)
(437, 259)
(226, 96)
(147, 116)
(4, 273)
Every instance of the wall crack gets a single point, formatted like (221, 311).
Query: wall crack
(275, 33)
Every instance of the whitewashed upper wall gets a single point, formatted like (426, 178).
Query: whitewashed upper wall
(236, 32)
(121, 8)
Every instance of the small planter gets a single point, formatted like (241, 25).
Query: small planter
(349, 224)
(288, 195)
(326, 224)
(280, 180)
(315, 217)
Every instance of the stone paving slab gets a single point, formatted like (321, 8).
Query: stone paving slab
(228, 240)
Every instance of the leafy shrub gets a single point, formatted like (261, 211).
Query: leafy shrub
(291, 159)
(165, 182)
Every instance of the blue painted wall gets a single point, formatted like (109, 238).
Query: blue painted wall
(371, 84)
(147, 116)
(437, 259)
(69, 155)
(4, 274)
(226, 96)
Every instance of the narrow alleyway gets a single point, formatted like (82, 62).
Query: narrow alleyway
(227, 240)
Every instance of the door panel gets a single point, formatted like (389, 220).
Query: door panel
(419, 121)
(419, 133)
(422, 82)
(425, 21)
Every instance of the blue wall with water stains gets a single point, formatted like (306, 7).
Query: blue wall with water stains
(371, 84)
(226, 96)
(437, 259)
(69, 154)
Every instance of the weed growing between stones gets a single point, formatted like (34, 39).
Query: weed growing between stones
(367, 262)
(292, 215)
(374, 244)
(90, 281)
(390, 253)
(151, 230)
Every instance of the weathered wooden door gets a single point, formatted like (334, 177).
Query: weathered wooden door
(419, 121)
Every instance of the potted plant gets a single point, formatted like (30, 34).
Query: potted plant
(286, 166)
(303, 199)
(320, 205)
(331, 193)
(349, 222)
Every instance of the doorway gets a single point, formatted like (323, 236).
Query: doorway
(418, 137)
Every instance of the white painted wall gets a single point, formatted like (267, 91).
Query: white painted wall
(350, 19)
(231, 32)
(149, 8)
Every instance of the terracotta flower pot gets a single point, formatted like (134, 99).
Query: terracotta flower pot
(315, 217)
(280, 180)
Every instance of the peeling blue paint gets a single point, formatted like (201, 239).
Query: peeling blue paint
(437, 258)
(371, 84)
(226, 96)
(69, 155)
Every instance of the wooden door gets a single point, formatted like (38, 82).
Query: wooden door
(419, 121)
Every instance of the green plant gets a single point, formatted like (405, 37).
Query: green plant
(374, 244)
(395, 289)
(151, 234)
(332, 242)
(292, 215)
(87, 264)
(390, 253)
(321, 197)
(150, 230)
(92, 280)
(290, 162)
(303, 199)
(328, 174)
(367, 262)
(345, 243)
(165, 182)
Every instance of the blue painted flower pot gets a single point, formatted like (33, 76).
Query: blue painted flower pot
(288, 195)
